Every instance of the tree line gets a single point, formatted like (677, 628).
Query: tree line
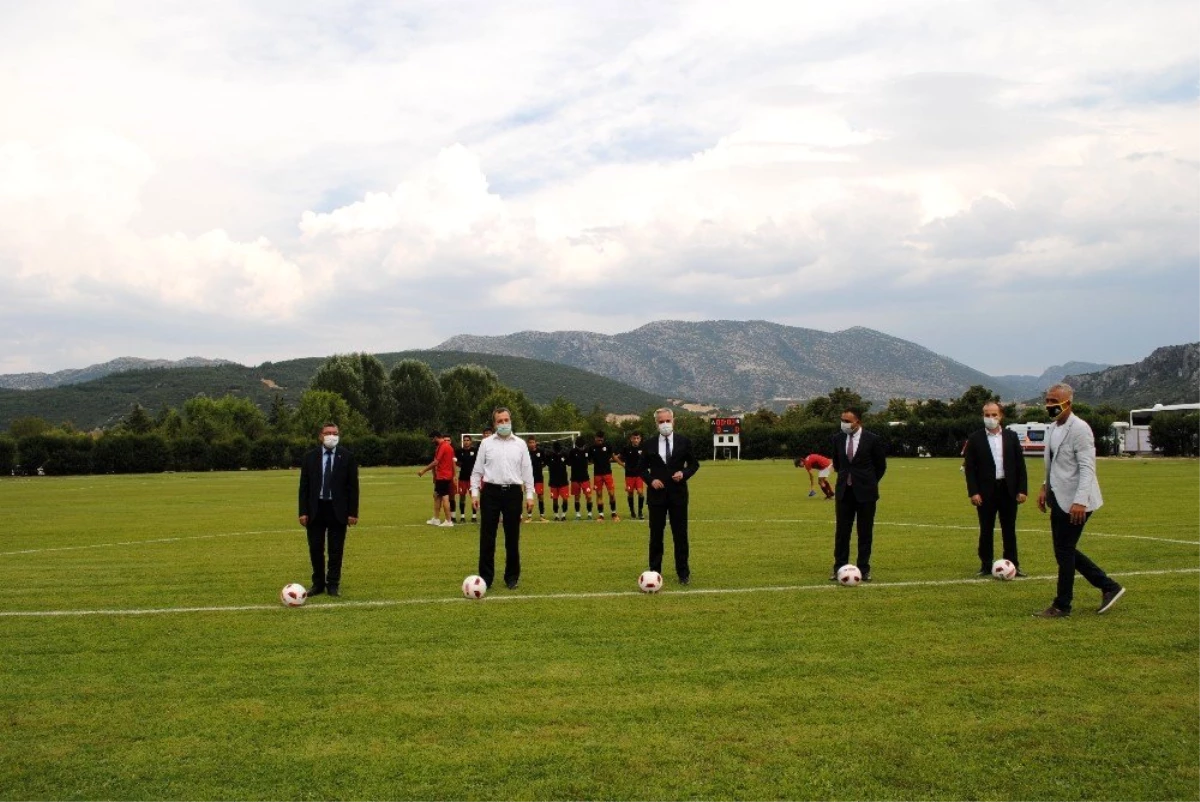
(385, 417)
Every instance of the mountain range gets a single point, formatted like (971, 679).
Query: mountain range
(1170, 375)
(1032, 386)
(747, 363)
(41, 381)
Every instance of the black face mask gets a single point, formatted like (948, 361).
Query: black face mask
(1054, 411)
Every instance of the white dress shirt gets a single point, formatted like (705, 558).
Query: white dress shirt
(662, 445)
(996, 441)
(502, 461)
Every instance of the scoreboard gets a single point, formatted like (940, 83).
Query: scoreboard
(726, 425)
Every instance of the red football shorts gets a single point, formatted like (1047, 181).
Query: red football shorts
(635, 484)
(538, 488)
(563, 492)
(576, 487)
(464, 487)
(605, 480)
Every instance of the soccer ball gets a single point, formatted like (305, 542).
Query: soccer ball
(849, 575)
(1004, 569)
(650, 582)
(293, 595)
(474, 587)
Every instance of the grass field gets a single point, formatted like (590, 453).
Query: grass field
(144, 654)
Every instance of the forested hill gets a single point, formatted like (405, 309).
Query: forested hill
(102, 402)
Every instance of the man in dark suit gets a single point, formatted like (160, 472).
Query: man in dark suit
(328, 503)
(860, 461)
(667, 464)
(997, 482)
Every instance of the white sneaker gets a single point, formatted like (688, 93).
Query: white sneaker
(446, 523)
(434, 522)
(577, 517)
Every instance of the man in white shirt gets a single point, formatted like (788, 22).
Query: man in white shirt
(997, 483)
(1071, 494)
(503, 472)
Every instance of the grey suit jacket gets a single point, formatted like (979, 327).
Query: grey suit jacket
(1071, 468)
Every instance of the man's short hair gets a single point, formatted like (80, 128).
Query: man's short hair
(328, 425)
(498, 410)
(435, 433)
(855, 411)
(661, 410)
(1064, 391)
(600, 434)
(995, 404)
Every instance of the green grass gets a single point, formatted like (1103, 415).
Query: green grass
(790, 688)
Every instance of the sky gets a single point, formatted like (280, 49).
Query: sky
(1011, 184)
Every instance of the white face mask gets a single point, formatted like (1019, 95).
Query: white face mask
(848, 428)
(330, 440)
(504, 429)
(991, 423)
(666, 428)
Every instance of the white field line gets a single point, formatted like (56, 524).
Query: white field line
(1088, 533)
(183, 538)
(347, 605)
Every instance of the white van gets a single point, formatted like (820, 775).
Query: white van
(1033, 437)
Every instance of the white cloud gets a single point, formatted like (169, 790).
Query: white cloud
(571, 164)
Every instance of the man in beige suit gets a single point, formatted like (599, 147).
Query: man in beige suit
(1071, 493)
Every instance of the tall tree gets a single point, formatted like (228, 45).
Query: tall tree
(316, 407)
(138, 421)
(970, 403)
(417, 396)
(463, 387)
(342, 374)
(378, 404)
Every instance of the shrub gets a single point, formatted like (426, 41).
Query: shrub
(131, 453)
(1176, 433)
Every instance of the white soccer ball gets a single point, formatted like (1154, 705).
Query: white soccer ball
(1004, 569)
(650, 582)
(474, 587)
(293, 595)
(849, 575)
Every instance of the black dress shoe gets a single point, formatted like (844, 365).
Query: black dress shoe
(511, 584)
(316, 590)
(984, 572)
(1021, 574)
(833, 577)
(334, 590)
(867, 577)
(685, 580)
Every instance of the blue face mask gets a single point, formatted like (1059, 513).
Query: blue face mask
(504, 429)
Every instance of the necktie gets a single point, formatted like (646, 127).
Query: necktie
(326, 474)
(849, 457)
(667, 440)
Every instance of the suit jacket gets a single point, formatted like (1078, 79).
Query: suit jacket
(653, 468)
(1071, 468)
(867, 467)
(343, 485)
(979, 466)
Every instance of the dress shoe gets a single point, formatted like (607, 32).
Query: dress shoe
(1107, 600)
(833, 577)
(1052, 612)
(511, 584)
(316, 590)
(1021, 574)
(334, 590)
(984, 572)
(685, 580)
(867, 577)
